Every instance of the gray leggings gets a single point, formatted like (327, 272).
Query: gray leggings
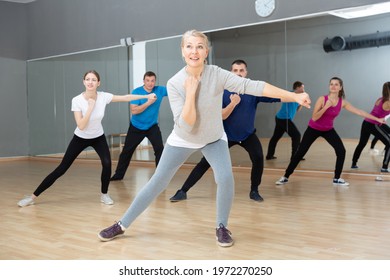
(216, 153)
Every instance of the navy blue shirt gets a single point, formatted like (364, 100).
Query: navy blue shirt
(241, 122)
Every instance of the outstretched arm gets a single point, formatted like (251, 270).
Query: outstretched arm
(131, 97)
(348, 106)
(286, 96)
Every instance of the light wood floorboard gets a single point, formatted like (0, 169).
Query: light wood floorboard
(306, 219)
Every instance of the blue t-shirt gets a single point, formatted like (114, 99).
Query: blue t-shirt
(287, 111)
(241, 122)
(149, 116)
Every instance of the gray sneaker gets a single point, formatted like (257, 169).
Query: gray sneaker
(179, 195)
(28, 200)
(223, 236)
(111, 232)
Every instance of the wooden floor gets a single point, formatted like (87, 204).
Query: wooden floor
(306, 219)
(320, 156)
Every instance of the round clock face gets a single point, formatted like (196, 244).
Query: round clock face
(264, 7)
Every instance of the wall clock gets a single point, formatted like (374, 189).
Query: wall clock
(264, 8)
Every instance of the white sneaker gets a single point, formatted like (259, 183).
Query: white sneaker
(28, 200)
(106, 199)
(340, 182)
(374, 152)
(283, 180)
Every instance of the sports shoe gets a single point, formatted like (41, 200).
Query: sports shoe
(116, 178)
(384, 170)
(283, 180)
(111, 232)
(223, 236)
(374, 152)
(340, 182)
(255, 196)
(270, 157)
(28, 200)
(179, 195)
(354, 166)
(106, 199)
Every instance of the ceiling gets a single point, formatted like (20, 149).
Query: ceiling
(18, 1)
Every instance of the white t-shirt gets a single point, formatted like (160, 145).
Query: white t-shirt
(177, 141)
(94, 127)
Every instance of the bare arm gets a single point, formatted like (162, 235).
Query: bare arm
(386, 105)
(286, 96)
(235, 99)
(348, 106)
(82, 121)
(320, 108)
(131, 97)
(138, 109)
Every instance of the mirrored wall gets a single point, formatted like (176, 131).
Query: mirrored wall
(53, 82)
(279, 53)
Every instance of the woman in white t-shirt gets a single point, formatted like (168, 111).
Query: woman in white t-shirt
(88, 108)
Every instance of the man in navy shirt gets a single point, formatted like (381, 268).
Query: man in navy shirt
(238, 113)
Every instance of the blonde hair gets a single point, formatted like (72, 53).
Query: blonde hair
(194, 33)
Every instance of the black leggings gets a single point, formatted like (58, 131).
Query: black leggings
(282, 126)
(76, 146)
(133, 138)
(308, 138)
(252, 145)
(380, 132)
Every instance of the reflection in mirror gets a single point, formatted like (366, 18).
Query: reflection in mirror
(307, 61)
(279, 53)
(53, 82)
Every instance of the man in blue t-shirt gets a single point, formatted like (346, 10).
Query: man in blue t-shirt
(284, 123)
(238, 116)
(143, 123)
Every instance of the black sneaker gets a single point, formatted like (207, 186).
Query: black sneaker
(179, 195)
(385, 170)
(270, 157)
(255, 196)
(283, 180)
(354, 166)
(116, 178)
(340, 182)
(223, 236)
(111, 232)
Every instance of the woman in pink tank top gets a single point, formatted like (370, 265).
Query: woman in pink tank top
(380, 131)
(321, 124)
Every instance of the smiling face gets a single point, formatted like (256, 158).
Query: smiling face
(149, 83)
(194, 49)
(91, 82)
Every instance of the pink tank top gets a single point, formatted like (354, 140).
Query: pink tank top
(326, 121)
(378, 112)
